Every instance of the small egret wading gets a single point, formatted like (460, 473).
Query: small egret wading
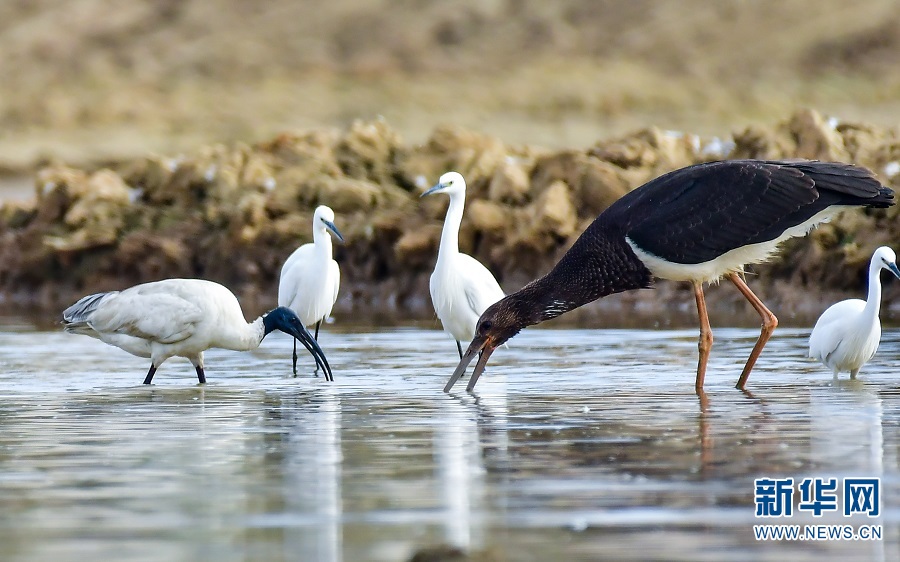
(696, 224)
(310, 278)
(461, 287)
(847, 334)
(180, 317)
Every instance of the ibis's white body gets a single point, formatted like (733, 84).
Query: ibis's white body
(310, 278)
(461, 287)
(847, 334)
(173, 317)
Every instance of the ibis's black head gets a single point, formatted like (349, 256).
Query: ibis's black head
(501, 321)
(284, 319)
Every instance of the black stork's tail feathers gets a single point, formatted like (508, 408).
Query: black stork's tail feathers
(859, 184)
(699, 213)
(75, 318)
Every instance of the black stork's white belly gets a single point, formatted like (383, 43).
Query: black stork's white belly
(731, 261)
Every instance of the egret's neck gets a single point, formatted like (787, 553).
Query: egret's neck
(873, 300)
(322, 242)
(450, 235)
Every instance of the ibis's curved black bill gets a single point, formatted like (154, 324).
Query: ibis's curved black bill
(484, 347)
(312, 346)
(286, 320)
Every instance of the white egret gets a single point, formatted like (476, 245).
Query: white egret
(180, 317)
(461, 287)
(847, 334)
(310, 278)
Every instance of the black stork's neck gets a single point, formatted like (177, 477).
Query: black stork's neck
(600, 263)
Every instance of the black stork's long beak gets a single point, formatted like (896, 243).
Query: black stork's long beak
(313, 347)
(486, 347)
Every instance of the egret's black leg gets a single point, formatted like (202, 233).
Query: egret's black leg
(295, 358)
(201, 376)
(315, 337)
(706, 337)
(149, 378)
(769, 323)
(459, 348)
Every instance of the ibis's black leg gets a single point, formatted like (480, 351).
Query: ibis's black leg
(769, 323)
(201, 376)
(295, 357)
(459, 348)
(149, 378)
(706, 337)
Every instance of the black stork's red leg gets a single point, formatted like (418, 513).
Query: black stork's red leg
(706, 336)
(769, 323)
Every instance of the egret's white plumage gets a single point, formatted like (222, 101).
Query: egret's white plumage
(179, 317)
(310, 278)
(847, 334)
(461, 287)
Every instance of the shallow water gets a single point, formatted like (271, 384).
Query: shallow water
(576, 444)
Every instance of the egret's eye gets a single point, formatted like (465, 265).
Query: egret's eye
(485, 326)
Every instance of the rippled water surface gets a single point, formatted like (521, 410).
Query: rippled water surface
(576, 445)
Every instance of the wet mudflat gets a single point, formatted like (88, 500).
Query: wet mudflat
(576, 445)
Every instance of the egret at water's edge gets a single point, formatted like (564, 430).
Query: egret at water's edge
(696, 224)
(847, 334)
(461, 287)
(310, 278)
(180, 317)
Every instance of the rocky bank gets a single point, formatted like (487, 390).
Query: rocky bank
(234, 213)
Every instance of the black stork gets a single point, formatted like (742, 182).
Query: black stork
(696, 224)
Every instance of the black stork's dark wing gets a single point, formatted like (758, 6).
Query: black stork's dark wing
(698, 213)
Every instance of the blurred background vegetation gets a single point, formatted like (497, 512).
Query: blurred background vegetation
(158, 138)
(98, 80)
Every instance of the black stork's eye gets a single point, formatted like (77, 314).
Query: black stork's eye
(485, 326)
